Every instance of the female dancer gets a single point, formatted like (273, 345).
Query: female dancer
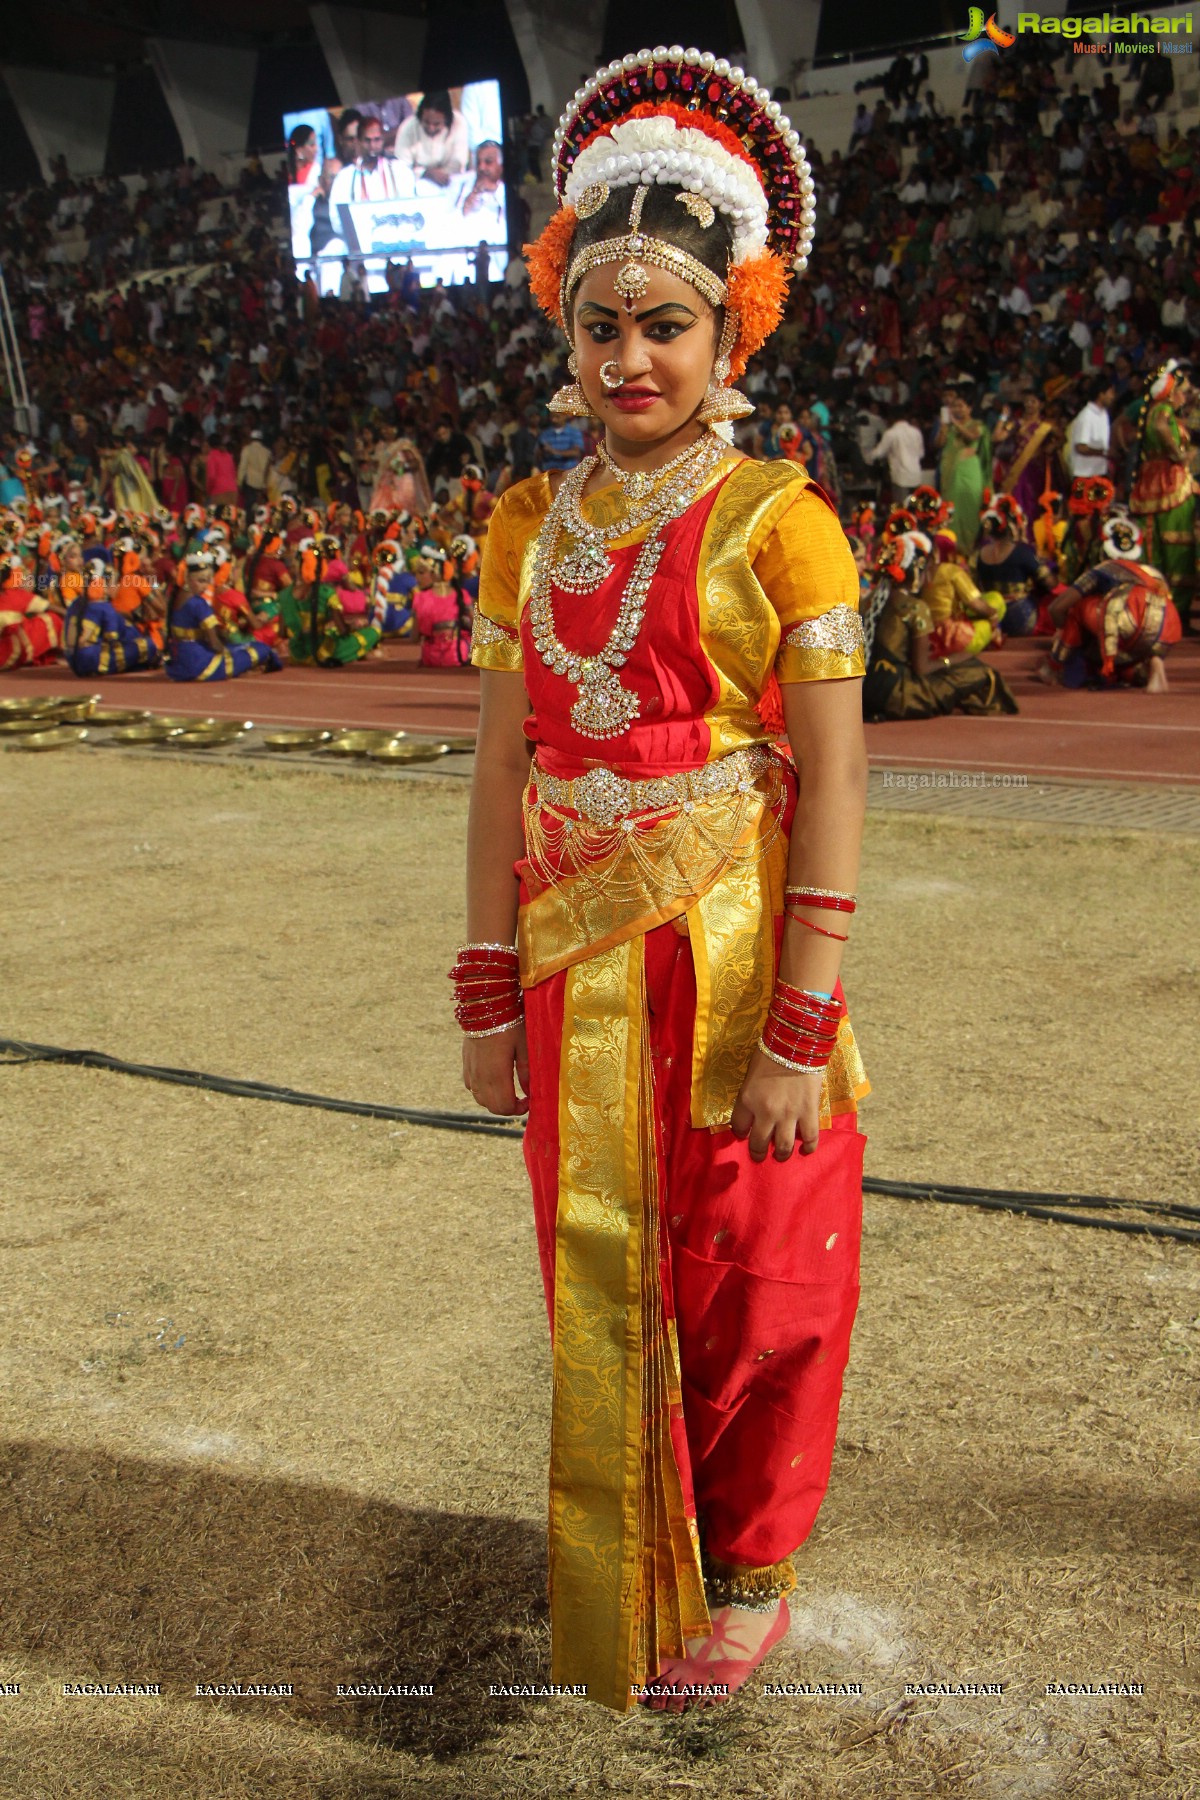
(1010, 574)
(197, 650)
(906, 678)
(1118, 618)
(681, 898)
(97, 639)
(1163, 496)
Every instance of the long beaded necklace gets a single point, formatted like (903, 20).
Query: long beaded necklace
(605, 708)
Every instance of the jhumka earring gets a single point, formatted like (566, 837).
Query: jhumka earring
(570, 401)
(721, 404)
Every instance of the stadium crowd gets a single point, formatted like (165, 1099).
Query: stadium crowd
(989, 306)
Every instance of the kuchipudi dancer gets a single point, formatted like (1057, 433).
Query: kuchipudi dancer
(660, 974)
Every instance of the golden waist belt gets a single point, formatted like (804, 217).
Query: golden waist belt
(602, 796)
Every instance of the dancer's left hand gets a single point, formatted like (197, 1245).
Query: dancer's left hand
(777, 1111)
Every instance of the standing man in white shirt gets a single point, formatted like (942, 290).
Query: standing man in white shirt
(904, 448)
(1088, 436)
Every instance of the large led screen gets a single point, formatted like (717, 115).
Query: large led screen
(419, 176)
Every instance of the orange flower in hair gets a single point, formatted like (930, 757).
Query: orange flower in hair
(757, 290)
(547, 261)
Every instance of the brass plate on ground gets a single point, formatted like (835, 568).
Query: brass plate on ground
(208, 736)
(180, 721)
(460, 745)
(56, 738)
(410, 751)
(359, 743)
(20, 727)
(151, 732)
(120, 715)
(22, 709)
(297, 738)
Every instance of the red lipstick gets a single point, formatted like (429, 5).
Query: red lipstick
(634, 399)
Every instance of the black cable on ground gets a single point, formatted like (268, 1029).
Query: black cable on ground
(15, 1052)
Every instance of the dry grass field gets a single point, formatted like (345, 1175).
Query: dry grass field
(275, 1396)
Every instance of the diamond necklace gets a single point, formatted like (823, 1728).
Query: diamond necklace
(637, 484)
(605, 708)
(585, 567)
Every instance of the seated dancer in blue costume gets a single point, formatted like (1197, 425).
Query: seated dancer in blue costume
(196, 647)
(97, 639)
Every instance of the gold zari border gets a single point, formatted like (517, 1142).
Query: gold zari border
(625, 1580)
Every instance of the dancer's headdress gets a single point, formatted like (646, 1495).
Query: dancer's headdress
(898, 557)
(929, 508)
(1090, 494)
(1166, 379)
(1122, 538)
(681, 118)
(1004, 514)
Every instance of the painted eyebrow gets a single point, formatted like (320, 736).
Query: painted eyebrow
(609, 312)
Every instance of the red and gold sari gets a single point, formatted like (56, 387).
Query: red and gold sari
(700, 1303)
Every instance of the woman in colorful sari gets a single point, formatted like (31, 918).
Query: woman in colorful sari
(1116, 622)
(905, 680)
(965, 467)
(97, 639)
(30, 630)
(679, 902)
(1027, 461)
(1163, 496)
(197, 650)
(401, 484)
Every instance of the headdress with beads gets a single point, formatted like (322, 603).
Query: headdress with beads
(682, 118)
(1122, 538)
(929, 508)
(1003, 514)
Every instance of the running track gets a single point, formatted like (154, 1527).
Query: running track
(1095, 736)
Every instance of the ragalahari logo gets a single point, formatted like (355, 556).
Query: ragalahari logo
(984, 35)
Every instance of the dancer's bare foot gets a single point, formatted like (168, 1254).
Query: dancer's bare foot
(715, 1667)
(1156, 681)
(1048, 672)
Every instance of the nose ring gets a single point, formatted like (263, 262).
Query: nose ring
(611, 376)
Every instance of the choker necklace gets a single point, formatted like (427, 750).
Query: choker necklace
(605, 708)
(638, 484)
(585, 566)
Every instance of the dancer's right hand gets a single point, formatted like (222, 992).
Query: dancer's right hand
(490, 1065)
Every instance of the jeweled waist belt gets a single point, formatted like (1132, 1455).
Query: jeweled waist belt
(602, 796)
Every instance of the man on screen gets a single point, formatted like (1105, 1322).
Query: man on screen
(375, 176)
(434, 143)
(480, 196)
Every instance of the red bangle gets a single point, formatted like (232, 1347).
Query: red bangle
(775, 1028)
(795, 897)
(786, 1028)
(786, 991)
(784, 1007)
(841, 936)
(812, 896)
(481, 955)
